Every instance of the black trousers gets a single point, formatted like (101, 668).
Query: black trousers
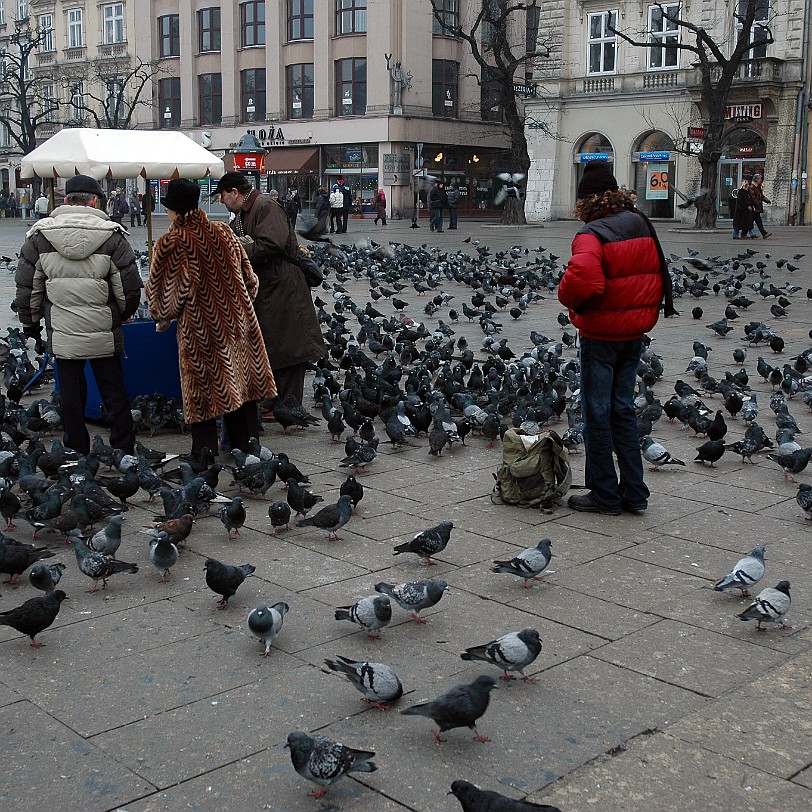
(335, 220)
(290, 381)
(241, 424)
(758, 224)
(345, 213)
(109, 376)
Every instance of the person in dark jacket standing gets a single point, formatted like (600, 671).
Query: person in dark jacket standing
(613, 286)
(379, 204)
(437, 202)
(345, 209)
(322, 210)
(743, 217)
(293, 205)
(283, 303)
(758, 199)
(78, 272)
(453, 198)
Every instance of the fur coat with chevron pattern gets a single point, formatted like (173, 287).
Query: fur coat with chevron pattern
(201, 276)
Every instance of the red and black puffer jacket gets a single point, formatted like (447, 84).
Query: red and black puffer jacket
(613, 284)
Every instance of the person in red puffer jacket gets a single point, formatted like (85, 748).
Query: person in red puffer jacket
(613, 286)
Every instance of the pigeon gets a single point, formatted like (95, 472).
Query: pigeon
(98, 566)
(224, 579)
(331, 518)
(354, 489)
(710, 451)
(35, 615)
(177, 529)
(323, 761)
(792, 463)
(232, 516)
(265, 622)
(377, 682)
(16, 558)
(299, 499)
(163, 555)
(279, 514)
(45, 576)
(528, 564)
(804, 499)
(371, 613)
(414, 596)
(473, 799)
(108, 539)
(769, 606)
(746, 572)
(657, 454)
(460, 707)
(428, 542)
(511, 652)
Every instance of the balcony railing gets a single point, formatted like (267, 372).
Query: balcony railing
(600, 84)
(75, 54)
(113, 50)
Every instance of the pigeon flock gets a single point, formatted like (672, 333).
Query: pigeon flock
(404, 374)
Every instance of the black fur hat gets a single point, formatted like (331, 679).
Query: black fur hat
(597, 179)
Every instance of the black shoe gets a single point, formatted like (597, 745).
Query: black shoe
(634, 508)
(766, 234)
(585, 504)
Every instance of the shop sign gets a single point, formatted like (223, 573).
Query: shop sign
(396, 169)
(655, 156)
(249, 161)
(742, 112)
(522, 89)
(657, 184)
(746, 150)
(696, 133)
(586, 157)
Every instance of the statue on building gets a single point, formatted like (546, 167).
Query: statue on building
(401, 82)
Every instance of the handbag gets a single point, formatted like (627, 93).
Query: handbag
(312, 273)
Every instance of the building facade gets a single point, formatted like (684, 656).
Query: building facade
(603, 98)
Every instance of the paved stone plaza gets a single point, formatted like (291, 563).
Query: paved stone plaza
(651, 694)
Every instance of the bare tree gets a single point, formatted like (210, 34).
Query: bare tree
(495, 46)
(717, 74)
(114, 93)
(25, 103)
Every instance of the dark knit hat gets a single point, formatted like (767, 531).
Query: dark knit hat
(182, 196)
(83, 185)
(597, 179)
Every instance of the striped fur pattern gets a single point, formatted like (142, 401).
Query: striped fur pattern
(201, 276)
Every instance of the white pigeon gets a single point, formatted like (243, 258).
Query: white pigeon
(657, 454)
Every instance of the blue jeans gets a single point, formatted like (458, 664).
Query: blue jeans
(608, 376)
(436, 221)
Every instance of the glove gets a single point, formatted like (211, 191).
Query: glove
(32, 331)
(246, 240)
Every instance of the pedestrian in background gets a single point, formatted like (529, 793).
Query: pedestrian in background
(758, 200)
(41, 206)
(201, 276)
(120, 206)
(321, 211)
(437, 202)
(135, 208)
(453, 198)
(743, 218)
(336, 206)
(292, 205)
(77, 271)
(346, 205)
(613, 285)
(379, 203)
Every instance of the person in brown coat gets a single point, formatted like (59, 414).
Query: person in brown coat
(759, 199)
(284, 305)
(743, 216)
(201, 276)
(380, 206)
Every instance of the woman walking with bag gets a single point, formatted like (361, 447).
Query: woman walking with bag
(380, 206)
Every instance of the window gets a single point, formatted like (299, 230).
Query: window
(76, 28)
(758, 33)
(208, 28)
(252, 94)
(444, 87)
(2, 12)
(449, 13)
(210, 94)
(490, 96)
(45, 23)
(299, 83)
(664, 33)
(602, 42)
(22, 9)
(169, 35)
(48, 102)
(114, 99)
(77, 101)
(531, 37)
(169, 102)
(351, 87)
(351, 16)
(113, 23)
(252, 23)
(300, 19)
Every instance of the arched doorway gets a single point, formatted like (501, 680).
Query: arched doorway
(654, 174)
(592, 147)
(743, 156)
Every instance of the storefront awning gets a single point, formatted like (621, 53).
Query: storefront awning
(296, 160)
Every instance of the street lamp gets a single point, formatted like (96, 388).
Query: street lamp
(250, 109)
(167, 117)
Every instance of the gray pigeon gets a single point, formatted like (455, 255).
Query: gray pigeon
(108, 539)
(511, 652)
(414, 596)
(460, 707)
(98, 566)
(804, 499)
(163, 554)
(529, 563)
(792, 463)
(473, 799)
(746, 572)
(657, 454)
(45, 576)
(232, 516)
(377, 682)
(770, 606)
(323, 761)
(371, 613)
(331, 518)
(265, 622)
(428, 542)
